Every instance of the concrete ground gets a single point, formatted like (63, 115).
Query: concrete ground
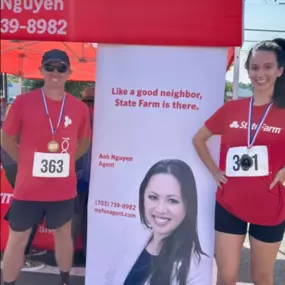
(36, 278)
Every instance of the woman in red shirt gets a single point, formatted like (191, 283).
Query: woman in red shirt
(251, 175)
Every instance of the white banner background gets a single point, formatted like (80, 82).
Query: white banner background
(148, 135)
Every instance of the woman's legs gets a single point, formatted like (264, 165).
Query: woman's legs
(228, 252)
(230, 235)
(264, 243)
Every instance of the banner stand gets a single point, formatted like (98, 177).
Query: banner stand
(147, 111)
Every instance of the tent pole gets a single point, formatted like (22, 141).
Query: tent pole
(21, 84)
(236, 73)
(5, 86)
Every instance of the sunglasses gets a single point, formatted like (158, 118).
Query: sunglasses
(61, 69)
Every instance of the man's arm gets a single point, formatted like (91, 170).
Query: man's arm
(11, 129)
(82, 147)
(84, 134)
(10, 145)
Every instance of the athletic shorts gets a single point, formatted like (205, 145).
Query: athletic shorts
(225, 222)
(23, 215)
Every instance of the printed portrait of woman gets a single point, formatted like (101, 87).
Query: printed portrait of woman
(166, 250)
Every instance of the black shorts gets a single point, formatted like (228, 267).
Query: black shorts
(225, 222)
(23, 215)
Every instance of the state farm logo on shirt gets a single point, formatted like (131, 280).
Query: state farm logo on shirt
(67, 121)
(265, 127)
(6, 198)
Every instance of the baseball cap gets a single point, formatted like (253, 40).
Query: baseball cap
(56, 55)
(88, 94)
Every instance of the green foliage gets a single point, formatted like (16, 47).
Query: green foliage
(73, 87)
(229, 88)
(76, 87)
(12, 78)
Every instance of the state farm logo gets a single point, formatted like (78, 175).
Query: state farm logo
(265, 127)
(6, 198)
(234, 125)
(67, 121)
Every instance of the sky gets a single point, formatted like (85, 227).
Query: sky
(259, 15)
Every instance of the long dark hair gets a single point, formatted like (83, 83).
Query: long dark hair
(278, 47)
(178, 247)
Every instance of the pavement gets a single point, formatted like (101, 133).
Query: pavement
(50, 276)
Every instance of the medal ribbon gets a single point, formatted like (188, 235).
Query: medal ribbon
(251, 139)
(53, 130)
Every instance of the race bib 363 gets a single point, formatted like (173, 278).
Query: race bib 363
(51, 165)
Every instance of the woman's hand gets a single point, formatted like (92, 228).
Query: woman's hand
(220, 178)
(280, 177)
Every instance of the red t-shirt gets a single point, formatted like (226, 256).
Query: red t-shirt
(28, 120)
(249, 198)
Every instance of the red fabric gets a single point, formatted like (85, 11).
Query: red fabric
(27, 118)
(24, 58)
(231, 55)
(179, 22)
(250, 198)
(147, 22)
(43, 239)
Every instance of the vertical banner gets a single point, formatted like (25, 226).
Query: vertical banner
(151, 203)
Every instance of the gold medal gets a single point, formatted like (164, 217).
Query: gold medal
(53, 146)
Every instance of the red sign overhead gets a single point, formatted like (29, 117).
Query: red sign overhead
(149, 22)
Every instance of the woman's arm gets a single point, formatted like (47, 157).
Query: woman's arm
(199, 142)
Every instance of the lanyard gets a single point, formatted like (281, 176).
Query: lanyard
(53, 130)
(251, 139)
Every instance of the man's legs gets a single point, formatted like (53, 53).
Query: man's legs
(58, 218)
(30, 265)
(64, 250)
(14, 257)
(22, 216)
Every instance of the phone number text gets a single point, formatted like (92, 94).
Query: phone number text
(116, 205)
(32, 26)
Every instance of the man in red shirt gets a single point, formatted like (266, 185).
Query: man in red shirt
(53, 131)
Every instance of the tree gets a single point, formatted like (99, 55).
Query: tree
(12, 78)
(228, 88)
(73, 87)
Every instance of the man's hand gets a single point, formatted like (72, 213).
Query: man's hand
(82, 147)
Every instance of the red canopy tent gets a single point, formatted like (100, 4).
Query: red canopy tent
(179, 23)
(22, 58)
(182, 23)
